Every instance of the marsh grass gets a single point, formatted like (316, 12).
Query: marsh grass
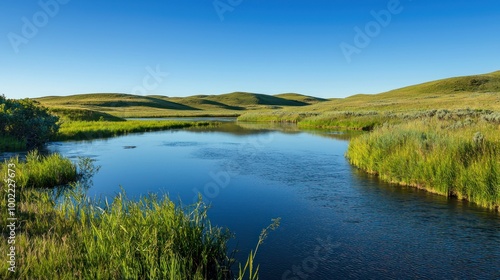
(441, 154)
(85, 130)
(147, 239)
(39, 171)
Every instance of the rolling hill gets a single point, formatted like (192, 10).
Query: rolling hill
(475, 92)
(127, 105)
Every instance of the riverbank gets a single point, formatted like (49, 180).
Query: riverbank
(87, 130)
(455, 159)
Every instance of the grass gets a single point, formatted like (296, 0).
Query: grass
(146, 239)
(42, 171)
(444, 154)
(301, 98)
(63, 234)
(73, 114)
(84, 130)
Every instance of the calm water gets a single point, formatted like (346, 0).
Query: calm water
(337, 222)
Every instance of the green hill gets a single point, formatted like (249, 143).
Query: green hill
(248, 99)
(112, 100)
(128, 105)
(476, 83)
(476, 91)
(301, 98)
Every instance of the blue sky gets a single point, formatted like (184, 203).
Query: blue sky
(62, 47)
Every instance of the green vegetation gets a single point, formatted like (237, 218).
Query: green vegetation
(24, 124)
(69, 114)
(39, 171)
(84, 130)
(446, 154)
(301, 98)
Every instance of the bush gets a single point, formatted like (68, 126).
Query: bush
(26, 121)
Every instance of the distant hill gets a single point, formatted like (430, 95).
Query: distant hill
(247, 98)
(128, 105)
(476, 91)
(301, 98)
(477, 83)
(113, 100)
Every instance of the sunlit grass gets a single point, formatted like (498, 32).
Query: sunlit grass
(39, 171)
(84, 130)
(450, 157)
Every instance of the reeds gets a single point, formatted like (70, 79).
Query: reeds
(146, 239)
(39, 171)
(442, 155)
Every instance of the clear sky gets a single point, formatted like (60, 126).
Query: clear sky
(325, 48)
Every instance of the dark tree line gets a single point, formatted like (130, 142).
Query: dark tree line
(25, 120)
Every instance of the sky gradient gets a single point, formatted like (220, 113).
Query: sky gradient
(62, 47)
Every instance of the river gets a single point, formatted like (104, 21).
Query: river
(336, 222)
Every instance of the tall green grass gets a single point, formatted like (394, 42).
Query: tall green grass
(151, 238)
(147, 239)
(441, 154)
(39, 171)
(85, 130)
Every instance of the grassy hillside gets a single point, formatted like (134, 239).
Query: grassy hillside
(127, 105)
(475, 92)
(478, 92)
(113, 100)
(301, 98)
(70, 114)
(252, 99)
